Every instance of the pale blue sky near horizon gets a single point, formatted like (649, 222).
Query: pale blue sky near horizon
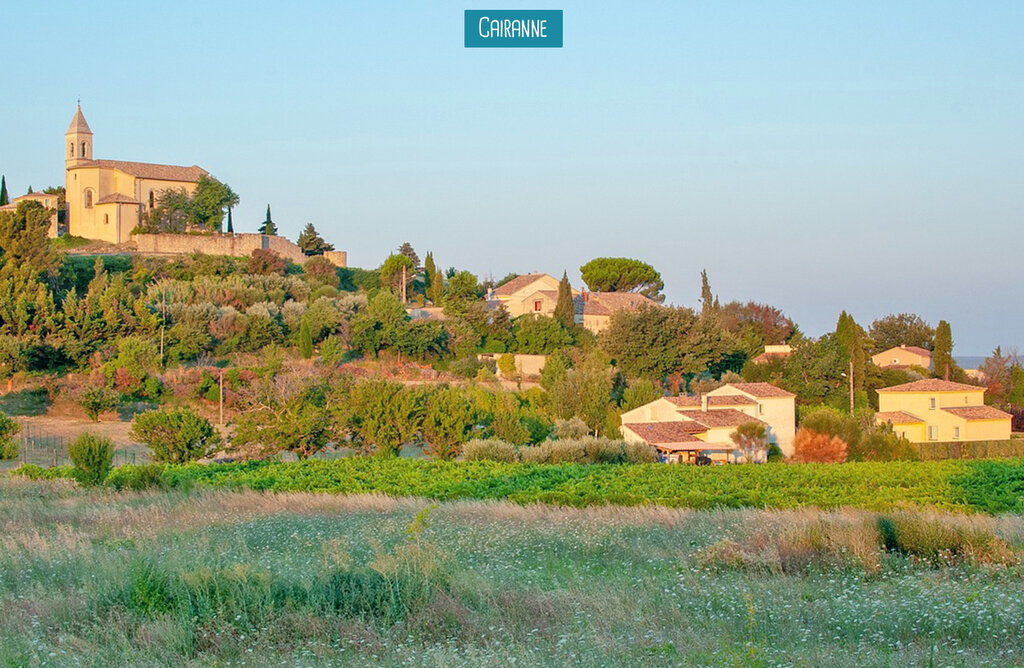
(815, 156)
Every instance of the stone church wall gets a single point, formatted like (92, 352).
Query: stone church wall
(239, 245)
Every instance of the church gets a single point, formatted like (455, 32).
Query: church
(106, 199)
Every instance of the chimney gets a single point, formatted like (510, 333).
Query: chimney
(704, 403)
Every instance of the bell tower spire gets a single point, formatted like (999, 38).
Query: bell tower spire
(77, 140)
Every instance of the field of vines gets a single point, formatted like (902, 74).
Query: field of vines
(992, 486)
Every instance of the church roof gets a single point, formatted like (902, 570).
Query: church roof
(117, 198)
(78, 124)
(145, 170)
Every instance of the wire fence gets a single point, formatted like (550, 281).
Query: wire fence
(36, 446)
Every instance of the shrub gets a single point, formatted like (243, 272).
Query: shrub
(332, 350)
(92, 456)
(507, 366)
(812, 446)
(488, 450)
(573, 428)
(9, 447)
(775, 454)
(136, 477)
(566, 452)
(605, 450)
(96, 400)
(175, 436)
(535, 454)
(640, 453)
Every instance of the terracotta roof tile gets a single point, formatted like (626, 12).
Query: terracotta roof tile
(690, 400)
(145, 170)
(660, 433)
(897, 417)
(932, 385)
(978, 413)
(721, 417)
(765, 390)
(516, 284)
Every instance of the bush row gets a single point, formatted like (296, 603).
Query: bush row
(587, 450)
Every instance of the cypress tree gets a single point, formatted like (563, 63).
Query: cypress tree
(707, 300)
(268, 224)
(429, 269)
(3, 191)
(305, 340)
(231, 228)
(565, 309)
(942, 353)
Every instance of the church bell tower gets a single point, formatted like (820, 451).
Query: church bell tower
(77, 140)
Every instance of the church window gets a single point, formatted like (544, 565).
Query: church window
(88, 199)
(71, 149)
(83, 149)
(150, 199)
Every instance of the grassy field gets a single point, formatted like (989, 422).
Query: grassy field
(243, 578)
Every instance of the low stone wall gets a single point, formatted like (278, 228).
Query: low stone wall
(238, 245)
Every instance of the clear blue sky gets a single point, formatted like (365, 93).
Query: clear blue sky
(815, 155)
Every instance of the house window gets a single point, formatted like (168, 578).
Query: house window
(88, 199)
(150, 199)
(106, 219)
(536, 305)
(760, 409)
(931, 403)
(933, 433)
(956, 433)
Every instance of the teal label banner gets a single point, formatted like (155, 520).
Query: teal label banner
(514, 28)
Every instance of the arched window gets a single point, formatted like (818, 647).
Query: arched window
(84, 153)
(150, 199)
(88, 198)
(71, 149)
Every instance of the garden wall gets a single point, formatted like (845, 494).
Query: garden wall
(239, 245)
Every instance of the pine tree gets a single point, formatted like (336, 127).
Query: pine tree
(565, 309)
(942, 353)
(305, 340)
(268, 226)
(707, 300)
(3, 191)
(407, 250)
(429, 269)
(311, 242)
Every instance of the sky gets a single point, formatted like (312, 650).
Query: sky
(814, 156)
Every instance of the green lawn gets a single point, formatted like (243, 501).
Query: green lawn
(220, 578)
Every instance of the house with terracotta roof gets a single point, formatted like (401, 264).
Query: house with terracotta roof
(902, 357)
(594, 309)
(534, 294)
(106, 199)
(708, 421)
(939, 410)
(47, 201)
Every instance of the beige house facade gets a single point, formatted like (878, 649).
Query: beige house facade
(106, 199)
(47, 201)
(903, 356)
(689, 425)
(939, 410)
(594, 309)
(529, 294)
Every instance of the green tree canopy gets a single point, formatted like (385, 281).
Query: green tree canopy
(654, 342)
(901, 329)
(268, 226)
(391, 272)
(311, 242)
(620, 274)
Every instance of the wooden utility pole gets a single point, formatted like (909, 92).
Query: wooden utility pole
(403, 285)
(221, 397)
(851, 386)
